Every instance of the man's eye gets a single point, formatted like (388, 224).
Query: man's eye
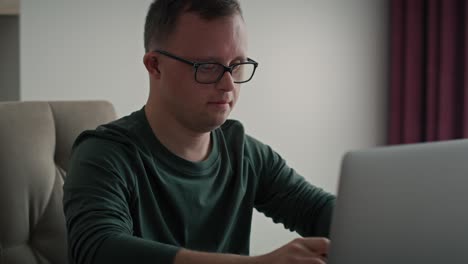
(237, 68)
(208, 67)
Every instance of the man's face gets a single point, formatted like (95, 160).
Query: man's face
(201, 107)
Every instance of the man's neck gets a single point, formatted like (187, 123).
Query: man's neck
(181, 141)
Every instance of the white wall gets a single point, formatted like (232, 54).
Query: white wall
(320, 89)
(84, 49)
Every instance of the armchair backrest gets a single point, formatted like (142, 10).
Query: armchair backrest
(35, 144)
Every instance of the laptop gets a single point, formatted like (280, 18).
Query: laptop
(404, 204)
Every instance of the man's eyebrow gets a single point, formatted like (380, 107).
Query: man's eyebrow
(217, 59)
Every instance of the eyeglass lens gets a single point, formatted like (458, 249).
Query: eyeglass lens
(211, 72)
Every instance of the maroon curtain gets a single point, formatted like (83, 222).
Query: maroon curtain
(429, 71)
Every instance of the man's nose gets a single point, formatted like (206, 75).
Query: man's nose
(226, 82)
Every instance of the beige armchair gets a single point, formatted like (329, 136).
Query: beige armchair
(35, 144)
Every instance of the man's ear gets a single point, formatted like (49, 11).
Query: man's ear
(152, 64)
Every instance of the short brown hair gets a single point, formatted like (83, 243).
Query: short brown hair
(163, 14)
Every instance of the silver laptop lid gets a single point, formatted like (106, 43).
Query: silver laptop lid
(403, 204)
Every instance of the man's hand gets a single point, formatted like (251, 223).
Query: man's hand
(312, 250)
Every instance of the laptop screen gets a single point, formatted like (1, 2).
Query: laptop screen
(403, 204)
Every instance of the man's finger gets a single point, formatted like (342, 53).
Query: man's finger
(312, 260)
(319, 245)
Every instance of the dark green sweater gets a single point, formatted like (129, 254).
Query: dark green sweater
(128, 199)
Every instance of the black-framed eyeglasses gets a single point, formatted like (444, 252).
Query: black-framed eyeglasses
(212, 72)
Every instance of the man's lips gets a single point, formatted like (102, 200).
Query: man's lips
(219, 102)
(220, 105)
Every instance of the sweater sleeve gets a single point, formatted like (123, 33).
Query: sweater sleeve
(98, 193)
(288, 198)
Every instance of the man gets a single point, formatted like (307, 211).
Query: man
(175, 182)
